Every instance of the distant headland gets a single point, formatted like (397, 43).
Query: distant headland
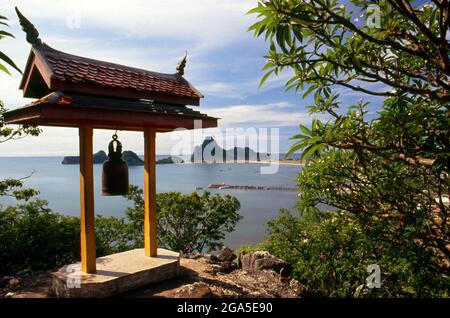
(130, 157)
(210, 151)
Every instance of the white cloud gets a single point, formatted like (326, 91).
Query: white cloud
(242, 89)
(267, 115)
(206, 23)
(146, 34)
(150, 35)
(64, 141)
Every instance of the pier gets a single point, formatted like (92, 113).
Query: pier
(223, 186)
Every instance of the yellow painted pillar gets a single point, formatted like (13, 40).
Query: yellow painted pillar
(87, 217)
(150, 238)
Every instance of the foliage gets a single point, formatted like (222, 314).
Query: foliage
(112, 235)
(325, 44)
(387, 171)
(186, 222)
(3, 57)
(35, 238)
(13, 187)
(247, 249)
(330, 253)
(8, 133)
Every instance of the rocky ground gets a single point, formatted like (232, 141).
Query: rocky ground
(251, 275)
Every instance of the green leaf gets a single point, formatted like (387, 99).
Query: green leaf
(309, 152)
(299, 136)
(6, 34)
(305, 130)
(254, 10)
(5, 58)
(264, 78)
(294, 148)
(309, 90)
(267, 66)
(4, 69)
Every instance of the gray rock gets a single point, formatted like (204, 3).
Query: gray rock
(194, 255)
(13, 282)
(263, 260)
(213, 259)
(227, 267)
(226, 254)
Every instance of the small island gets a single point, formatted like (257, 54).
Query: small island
(210, 148)
(130, 157)
(98, 157)
(169, 160)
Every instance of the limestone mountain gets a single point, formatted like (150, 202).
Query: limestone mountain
(210, 151)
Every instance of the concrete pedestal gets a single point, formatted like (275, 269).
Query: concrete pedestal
(116, 274)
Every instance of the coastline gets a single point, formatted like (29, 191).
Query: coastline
(265, 162)
(268, 162)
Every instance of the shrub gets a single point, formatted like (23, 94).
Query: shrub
(112, 235)
(186, 222)
(330, 253)
(35, 238)
(385, 164)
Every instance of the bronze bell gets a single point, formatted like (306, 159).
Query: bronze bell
(115, 171)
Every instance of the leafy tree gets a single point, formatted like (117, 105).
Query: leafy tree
(112, 235)
(330, 253)
(3, 57)
(35, 238)
(390, 171)
(186, 222)
(12, 187)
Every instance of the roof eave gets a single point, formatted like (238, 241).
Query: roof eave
(45, 114)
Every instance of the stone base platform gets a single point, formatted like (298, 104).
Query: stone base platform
(116, 274)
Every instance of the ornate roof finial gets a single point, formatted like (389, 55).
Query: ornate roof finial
(181, 65)
(29, 29)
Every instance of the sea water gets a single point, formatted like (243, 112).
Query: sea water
(59, 185)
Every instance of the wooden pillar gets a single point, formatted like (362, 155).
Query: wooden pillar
(150, 240)
(87, 217)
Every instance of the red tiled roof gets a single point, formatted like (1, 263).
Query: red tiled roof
(71, 71)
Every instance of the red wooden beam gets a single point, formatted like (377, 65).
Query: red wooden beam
(75, 116)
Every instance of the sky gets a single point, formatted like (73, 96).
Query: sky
(224, 63)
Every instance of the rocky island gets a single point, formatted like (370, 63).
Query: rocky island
(211, 149)
(169, 160)
(131, 158)
(98, 157)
